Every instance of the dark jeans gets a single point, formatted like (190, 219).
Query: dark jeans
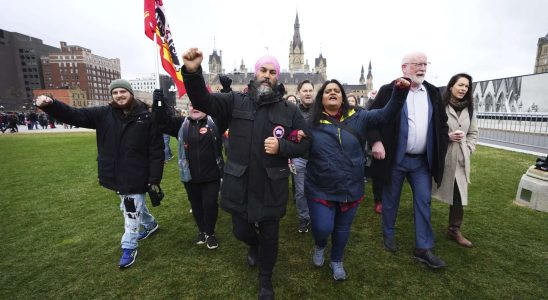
(417, 172)
(203, 200)
(265, 237)
(326, 221)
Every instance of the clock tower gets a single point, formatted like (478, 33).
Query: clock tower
(296, 50)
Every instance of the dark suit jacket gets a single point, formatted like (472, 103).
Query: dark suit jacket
(388, 135)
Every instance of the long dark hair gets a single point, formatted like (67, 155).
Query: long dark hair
(317, 106)
(467, 97)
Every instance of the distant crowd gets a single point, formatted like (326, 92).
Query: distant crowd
(9, 121)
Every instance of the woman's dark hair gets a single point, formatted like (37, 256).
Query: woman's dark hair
(300, 86)
(467, 97)
(317, 107)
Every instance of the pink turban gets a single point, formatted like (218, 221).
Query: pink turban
(267, 59)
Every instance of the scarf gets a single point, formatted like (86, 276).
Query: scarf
(458, 105)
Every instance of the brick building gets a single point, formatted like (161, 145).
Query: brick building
(71, 96)
(76, 66)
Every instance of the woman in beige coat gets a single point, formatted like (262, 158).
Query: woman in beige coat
(463, 134)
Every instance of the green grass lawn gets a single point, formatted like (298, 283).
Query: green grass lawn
(60, 238)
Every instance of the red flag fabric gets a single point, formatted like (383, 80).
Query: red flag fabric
(156, 24)
(150, 18)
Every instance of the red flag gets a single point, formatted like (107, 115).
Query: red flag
(150, 18)
(156, 24)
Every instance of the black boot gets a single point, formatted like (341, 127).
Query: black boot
(266, 291)
(456, 214)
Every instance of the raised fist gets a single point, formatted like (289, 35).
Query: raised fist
(225, 82)
(403, 83)
(192, 59)
(42, 101)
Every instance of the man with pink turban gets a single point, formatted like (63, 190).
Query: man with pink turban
(265, 131)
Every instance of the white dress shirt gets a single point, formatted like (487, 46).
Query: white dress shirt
(417, 119)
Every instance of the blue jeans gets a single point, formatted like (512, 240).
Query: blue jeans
(332, 221)
(416, 170)
(136, 214)
(167, 150)
(300, 199)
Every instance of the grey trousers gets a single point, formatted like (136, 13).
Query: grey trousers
(300, 199)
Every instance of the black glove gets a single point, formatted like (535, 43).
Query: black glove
(281, 89)
(225, 82)
(155, 193)
(159, 101)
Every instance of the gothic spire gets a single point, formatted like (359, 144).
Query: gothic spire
(296, 34)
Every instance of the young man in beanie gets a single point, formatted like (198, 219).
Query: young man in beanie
(263, 135)
(130, 155)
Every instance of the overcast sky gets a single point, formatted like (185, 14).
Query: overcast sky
(488, 39)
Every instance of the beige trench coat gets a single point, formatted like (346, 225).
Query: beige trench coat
(457, 160)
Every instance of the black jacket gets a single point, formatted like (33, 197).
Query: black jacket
(388, 134)
(201, 147)
(255, 184)
(130, 148)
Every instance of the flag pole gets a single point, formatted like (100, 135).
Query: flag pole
(156, 58)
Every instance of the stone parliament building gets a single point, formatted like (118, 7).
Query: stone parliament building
(299, 70)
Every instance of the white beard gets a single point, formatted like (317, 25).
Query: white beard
(417, 80)
(264, 90)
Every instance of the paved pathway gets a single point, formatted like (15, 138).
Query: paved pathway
(23, 129)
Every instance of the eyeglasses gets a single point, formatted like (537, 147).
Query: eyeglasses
(418, 64)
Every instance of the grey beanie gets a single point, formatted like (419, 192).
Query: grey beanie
(120, 83)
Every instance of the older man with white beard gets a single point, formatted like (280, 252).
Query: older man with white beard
(264, 132)
(412, 147)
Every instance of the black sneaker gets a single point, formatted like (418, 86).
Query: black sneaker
(200, 239)
(428, 258)
(303, 225)
(211, 242)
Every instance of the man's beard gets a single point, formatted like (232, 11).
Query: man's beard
(126, 105)
(263, 90)
(417, 79)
